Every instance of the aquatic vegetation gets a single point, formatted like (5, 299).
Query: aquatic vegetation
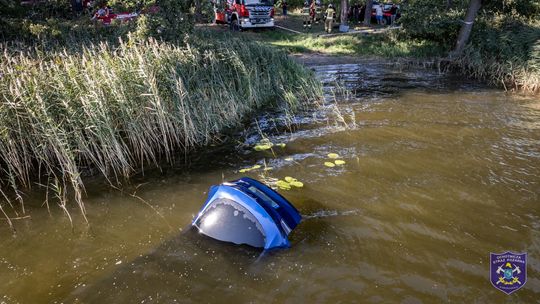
(266, 144)
(333, 155)
(297, 184)
(114, 110)
(262, 147)
(255, 167)
(337, 162)
(283, 185)
(288, 182)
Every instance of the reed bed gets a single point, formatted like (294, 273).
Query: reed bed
(118, 108)
(511, 74)
(505, 52)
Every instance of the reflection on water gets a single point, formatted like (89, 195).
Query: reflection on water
(439, 173)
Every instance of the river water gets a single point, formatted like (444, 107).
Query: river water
(440, 171)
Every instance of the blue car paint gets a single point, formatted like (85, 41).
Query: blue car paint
(270, 218)
(286, 210)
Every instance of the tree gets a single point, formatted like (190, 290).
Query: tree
(344, 11)
(465, 31)
(367, 15)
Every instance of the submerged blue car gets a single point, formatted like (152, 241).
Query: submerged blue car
(248, 212)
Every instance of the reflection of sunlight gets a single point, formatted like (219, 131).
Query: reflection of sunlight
(211, 219)
(533, 105)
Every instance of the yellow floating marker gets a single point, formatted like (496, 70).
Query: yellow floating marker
(281, 145)
(244, 170)
(268, 168)
(329, 164)
(256, 167)
(333, 155)
(297, 184)
(339, 162)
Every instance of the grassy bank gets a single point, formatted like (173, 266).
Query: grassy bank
(385, 45)
(374, 41)
(118, 108)
(504, 47)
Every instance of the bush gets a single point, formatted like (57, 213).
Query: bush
(129, 5)
(505, 50)
(172, 21)
(426, 19)
(503, 46)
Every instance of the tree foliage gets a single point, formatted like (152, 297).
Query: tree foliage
(173, 19)
(53, 21)
(433, 20)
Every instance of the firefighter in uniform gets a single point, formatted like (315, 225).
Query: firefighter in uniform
(329, 18)
(306, 14)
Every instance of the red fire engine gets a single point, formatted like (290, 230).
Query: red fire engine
(244, 14)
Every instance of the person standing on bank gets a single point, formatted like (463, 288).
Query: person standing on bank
(379, 14)
(393, 12)
(312, 12)
(328, 22)
(356, 13)
(284, 7)
(306, 16)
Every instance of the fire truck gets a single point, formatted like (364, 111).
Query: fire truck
(244, 14)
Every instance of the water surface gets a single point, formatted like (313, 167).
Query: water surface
(440, 171)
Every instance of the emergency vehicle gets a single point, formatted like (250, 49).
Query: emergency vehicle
(244, 14)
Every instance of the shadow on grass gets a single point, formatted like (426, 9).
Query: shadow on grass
(386, 45)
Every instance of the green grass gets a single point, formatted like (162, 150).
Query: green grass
(116, 109)
(388, 44)
(374, 45)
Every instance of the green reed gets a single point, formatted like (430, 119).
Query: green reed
(116, 109)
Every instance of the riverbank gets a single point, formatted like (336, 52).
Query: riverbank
(117, 109)
(503, 51)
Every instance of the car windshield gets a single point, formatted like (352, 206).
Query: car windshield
(258, 2)
(228, 221)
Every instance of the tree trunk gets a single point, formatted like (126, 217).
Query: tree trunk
(344, 11)
(465, 32)
(367, 14)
